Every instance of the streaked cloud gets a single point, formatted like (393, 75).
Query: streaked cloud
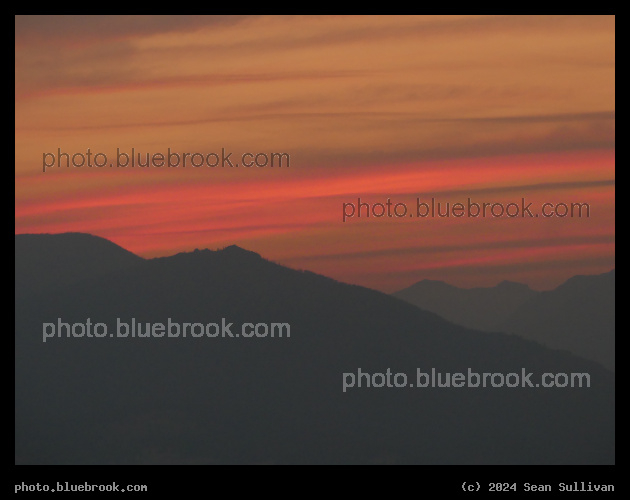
(370, 106)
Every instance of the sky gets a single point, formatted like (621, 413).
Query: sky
(491, 108)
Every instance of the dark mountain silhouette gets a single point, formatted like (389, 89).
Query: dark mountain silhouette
(277, 400)
(45, 261)
(578, 316)
(478, 308)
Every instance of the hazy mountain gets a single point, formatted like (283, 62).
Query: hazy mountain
(478, 308)
(277, 400)
(578, 316)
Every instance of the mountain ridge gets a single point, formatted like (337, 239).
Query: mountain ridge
(561, 318)
(236, 400)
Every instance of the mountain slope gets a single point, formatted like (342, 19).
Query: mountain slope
(46, 261)
(578, 316)
(478, 308)
(280, 400)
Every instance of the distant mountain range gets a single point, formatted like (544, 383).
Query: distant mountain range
(263, 400)
(578, 316)
(477, 308)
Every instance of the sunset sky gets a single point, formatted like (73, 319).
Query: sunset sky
(493, 108)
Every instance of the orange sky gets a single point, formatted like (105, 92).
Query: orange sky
(492, 108)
